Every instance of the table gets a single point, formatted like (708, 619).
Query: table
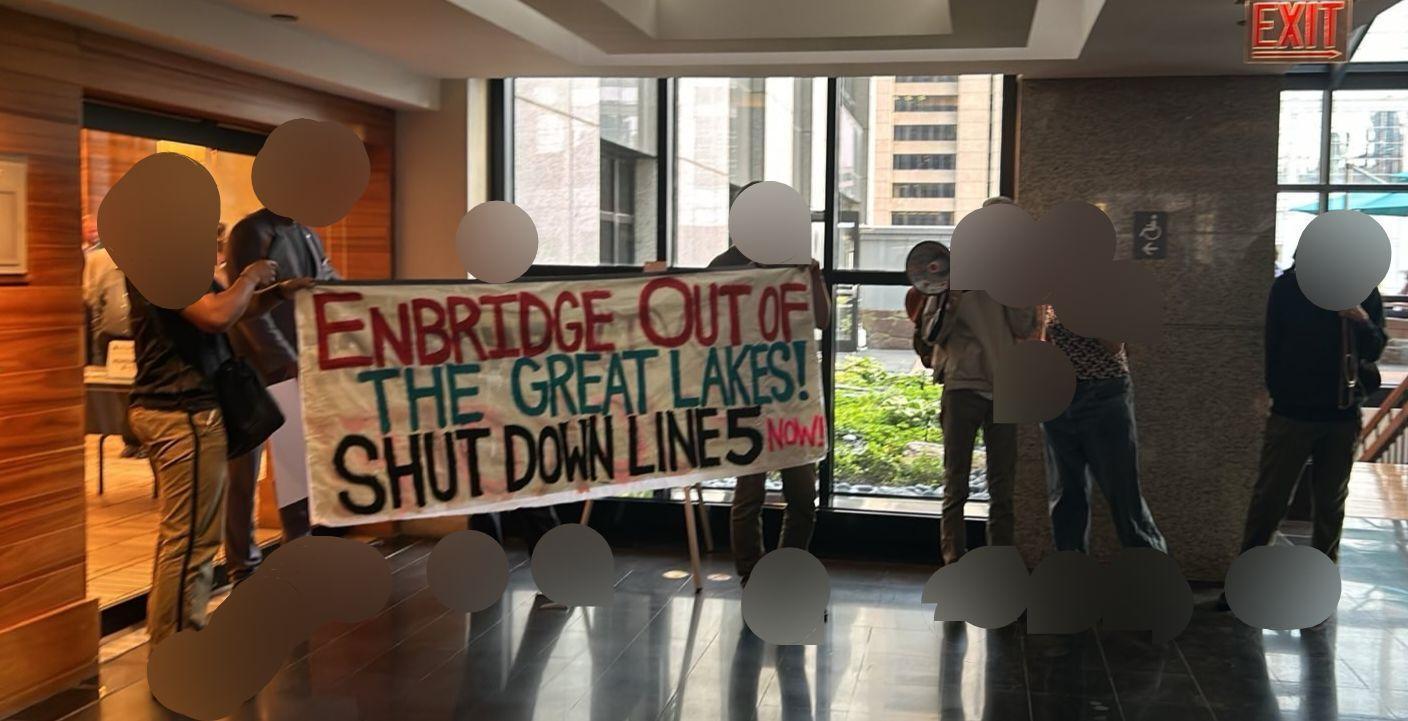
(105, 411)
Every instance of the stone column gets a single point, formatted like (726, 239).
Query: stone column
(1204, 151)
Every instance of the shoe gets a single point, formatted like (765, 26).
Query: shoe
(1222, 606)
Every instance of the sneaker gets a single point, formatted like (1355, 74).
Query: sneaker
(1222, 606)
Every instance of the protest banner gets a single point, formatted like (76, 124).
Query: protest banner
(456, 398)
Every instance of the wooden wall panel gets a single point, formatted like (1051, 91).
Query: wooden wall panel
(48, 630)
(44, 654)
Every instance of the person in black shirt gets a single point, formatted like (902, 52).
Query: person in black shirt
(1312, 373)
(175, 414)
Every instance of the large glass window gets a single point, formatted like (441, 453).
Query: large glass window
(1362, 155)
(911, 156)
(584, 167)
(732, 131)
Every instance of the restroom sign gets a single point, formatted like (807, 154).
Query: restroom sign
(1297, 31)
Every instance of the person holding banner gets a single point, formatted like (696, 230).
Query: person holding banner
(269, 342)
(175, 413)
(798, 482)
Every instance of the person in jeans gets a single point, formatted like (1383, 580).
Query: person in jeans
(1315, 401)
(798, 482)
(976, 330)
(1094, 439)
(175, 414)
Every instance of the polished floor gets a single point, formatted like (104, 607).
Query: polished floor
(661, 652)
(122, 523)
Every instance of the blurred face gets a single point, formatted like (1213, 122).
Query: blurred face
(90, 230)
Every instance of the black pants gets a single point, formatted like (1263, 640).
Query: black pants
(528, 524)
(1285, 448)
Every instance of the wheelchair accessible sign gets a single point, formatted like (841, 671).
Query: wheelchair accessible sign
(1150, 234)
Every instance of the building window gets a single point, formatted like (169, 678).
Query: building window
(919, 217)
(732, 131)
(584, 142)
(618, 205)
(925, 103)
(583, 163)
(926, 78)
(922, 190)
(924, 161)
(926, 132)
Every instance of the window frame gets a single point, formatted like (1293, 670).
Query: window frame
(500, 171)
(1329, 79)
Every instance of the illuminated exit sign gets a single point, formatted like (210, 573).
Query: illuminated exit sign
(1304, 31)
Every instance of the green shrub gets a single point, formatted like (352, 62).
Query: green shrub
(877, 414)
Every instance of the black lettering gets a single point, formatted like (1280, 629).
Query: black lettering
(603, 454)
(737, 430)
(515, 482)
(339, 462)
(575, 454)
(681, 439)
(633, 455)
(471, 438)
(704, 435)
(451, 483)
(396, 472)
(550, 434)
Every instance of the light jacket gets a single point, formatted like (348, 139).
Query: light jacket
(970, 340)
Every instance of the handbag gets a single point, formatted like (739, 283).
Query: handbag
(1357, 374)
(250, 413)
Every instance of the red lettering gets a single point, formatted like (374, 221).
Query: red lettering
(501, 346)
(766, 313)
(733, 293)
(1331, 11)
(434, 328)
(564, 299)
(595, 320)
(326, 329)
(647, 319)
(793, 306)
(706, 337)
(383, 335)
(463, 327)
(1291, 15)
(526, 303)
(1262, 24)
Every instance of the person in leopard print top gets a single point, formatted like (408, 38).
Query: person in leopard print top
(1095, 439)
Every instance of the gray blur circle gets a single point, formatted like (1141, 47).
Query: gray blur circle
(1147, 591)
(998, 249)
(467, 571)
(1115, 300)
(786, 596)
(338, 579)
(573, 565)
(1342, 256)
(988, 588)
(1283, 587)
(1067, 594)
(1032, 382)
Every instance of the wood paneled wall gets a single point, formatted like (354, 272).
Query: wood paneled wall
(48, 628)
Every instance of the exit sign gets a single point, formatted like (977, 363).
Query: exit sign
(1297, 31)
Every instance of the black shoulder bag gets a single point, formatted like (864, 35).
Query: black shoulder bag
(1357, 374)
(249, 412)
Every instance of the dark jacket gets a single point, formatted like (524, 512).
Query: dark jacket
(1305, 356)
(273, 347)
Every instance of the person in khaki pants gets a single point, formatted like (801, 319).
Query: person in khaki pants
(175, 414)
(976, 330)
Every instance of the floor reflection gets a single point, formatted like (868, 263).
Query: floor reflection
(659, 651)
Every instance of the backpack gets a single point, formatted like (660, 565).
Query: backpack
(927, 324)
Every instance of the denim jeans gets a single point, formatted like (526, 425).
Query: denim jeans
(1094, 439)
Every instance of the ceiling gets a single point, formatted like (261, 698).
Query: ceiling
(395, 52)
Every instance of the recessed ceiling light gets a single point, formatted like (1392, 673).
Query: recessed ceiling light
(284, 17)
